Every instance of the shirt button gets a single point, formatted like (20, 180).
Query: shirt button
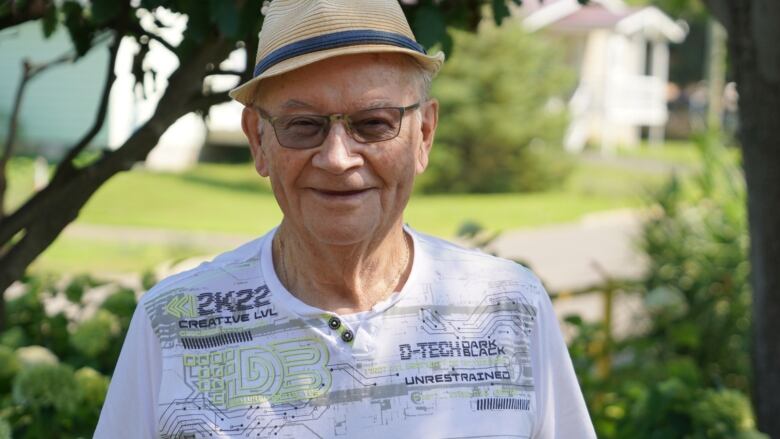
(334, 323)
(347, 336)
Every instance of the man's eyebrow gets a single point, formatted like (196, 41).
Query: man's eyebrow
(294, 104)
(379, 103)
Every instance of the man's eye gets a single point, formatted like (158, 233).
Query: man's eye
(302, 122)
(373, 123)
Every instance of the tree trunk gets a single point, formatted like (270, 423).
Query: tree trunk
(760, 136)
(754, 31)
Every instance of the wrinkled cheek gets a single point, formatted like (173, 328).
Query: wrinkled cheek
(279, 189)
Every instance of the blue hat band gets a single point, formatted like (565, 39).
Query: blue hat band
(335, 40)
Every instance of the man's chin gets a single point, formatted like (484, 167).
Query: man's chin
(342, 231)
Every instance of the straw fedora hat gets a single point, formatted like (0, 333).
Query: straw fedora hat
(296, 33)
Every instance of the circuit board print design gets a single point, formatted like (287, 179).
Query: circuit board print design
(449, 359)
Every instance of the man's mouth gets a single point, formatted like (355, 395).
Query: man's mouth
(342, 193)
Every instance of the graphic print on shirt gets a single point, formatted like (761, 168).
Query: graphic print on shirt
(451, 354)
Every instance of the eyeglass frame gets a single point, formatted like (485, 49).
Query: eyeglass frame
(338, 116)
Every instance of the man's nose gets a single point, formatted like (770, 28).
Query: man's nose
(336, 154)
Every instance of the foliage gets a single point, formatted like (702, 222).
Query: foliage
(686, 375)
(95, 335)
(52, 385)
(674, 408)
(47, 387)
(434, 22)
(497, 130)
(723, 414)
(9, 366)
(698, 259)
(94, 387)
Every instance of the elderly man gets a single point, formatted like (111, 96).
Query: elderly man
(342, 322)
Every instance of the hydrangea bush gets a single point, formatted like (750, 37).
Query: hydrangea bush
(56, 357)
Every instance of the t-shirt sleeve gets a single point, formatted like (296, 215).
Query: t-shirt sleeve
(129, 409)
(561, 409)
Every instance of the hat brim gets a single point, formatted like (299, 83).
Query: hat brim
(246, 92)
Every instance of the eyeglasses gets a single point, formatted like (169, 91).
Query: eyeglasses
(304, 131)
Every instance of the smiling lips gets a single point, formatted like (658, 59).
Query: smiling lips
(341, 193)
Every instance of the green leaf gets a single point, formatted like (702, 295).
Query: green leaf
(198, 22)
(81, 31)
(447, 44)
(151, 5)
(50, 21)
(500, 11)
(429, 26)
(250, 19)
(5, 9)
(225, 14)
(104, 10)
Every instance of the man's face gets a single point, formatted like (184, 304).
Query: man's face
(343, 191)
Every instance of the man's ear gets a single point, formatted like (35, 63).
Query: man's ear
(429, 111)
(250, 124)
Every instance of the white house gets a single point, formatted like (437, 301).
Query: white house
(622, 55)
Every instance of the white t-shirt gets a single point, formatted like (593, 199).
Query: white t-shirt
(469, 348)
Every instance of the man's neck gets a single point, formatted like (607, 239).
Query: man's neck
(343, 279)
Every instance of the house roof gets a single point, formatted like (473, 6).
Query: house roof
(590, 17)
(570, 16)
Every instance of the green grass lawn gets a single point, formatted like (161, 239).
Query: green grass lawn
(78, 255)
(672, 151)
(233, 199)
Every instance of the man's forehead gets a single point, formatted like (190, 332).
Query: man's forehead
(370, 79)
(361, 102)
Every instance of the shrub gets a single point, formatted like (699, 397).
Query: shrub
(95, 335)
(93, 387)
(122, 304)
(34, 355)
(687, 374)
(9, 366)
(697, 247)
(497, 132)
(723, 414)
(5, 429)
(45, 387)
(40, 394)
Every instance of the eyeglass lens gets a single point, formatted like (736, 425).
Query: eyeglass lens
(365, 126)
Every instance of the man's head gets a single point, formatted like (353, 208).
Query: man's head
(343, 190)
(340, 132)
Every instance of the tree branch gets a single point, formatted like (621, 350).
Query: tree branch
(29, 71)
(204, 102)
(250, 47)
(66, 165)
(35, 9)
(225, 72)
(139, 31)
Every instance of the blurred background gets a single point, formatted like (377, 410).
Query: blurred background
(595, 142)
